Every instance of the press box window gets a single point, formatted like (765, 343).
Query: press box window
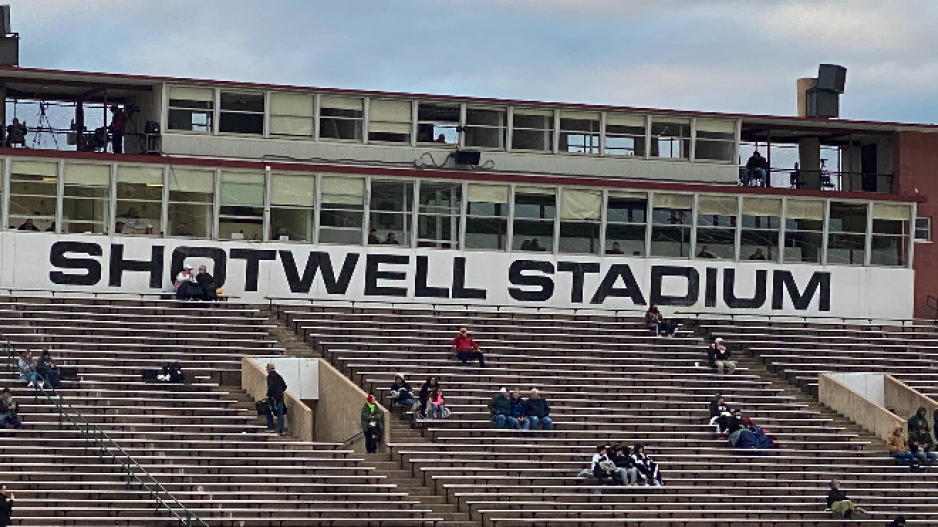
(487, 216)
(389, 120)
(291, 207)
(242, 113)
(241, 216)
(580, 213)
(341, 210)
(890, 242)
(535, 210)
(291, 114)
(86, 199)
(579, 132)
(671, 225)
(626, 217)
(191, 209)
(670, 138)
(486, 127)
(804, 226)
(140, 199)
(532, 130)
(33, 193)
(191, 109)
(625, 135)
(716, 140)
(341, 118)
(437, 123)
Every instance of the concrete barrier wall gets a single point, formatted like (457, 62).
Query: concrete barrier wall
(338, 410)
(300, 418)
(855, 407)
(906, 400)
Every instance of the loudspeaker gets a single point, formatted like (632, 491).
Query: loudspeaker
(831, 77)
(823, 103)
(467, 157)
(5, 19)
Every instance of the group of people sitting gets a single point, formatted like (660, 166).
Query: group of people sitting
(195, 286)
(515, 413)
(430, 404)
(741, 432)
(38, 372)
(625, 467)
(918, 450)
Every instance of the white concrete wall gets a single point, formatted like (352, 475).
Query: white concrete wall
(870, 386)
(301, 375)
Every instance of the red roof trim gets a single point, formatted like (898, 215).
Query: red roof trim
(467, 175)
(483, 100)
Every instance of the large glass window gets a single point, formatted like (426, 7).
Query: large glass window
(292, 200)
(437, 123)
(579, 132)
(342, 209)
(671, 225)
(716, 227)
(191, 109)
(241, 216)
(487, 216)
(535, 210)
(486, 127)
(626, 218)
(580, 215)
(86, 198)
(341, 118)
(392, 208)
(33, 194)
(804, 226)
(241, 113)
(760, 229)
(625, 135)
(191, 208)
(716, 140)
(140, 199)
(532, 130)
(846, 242)
(389, 120)
(891, 231)
(291, 114)
(670, 137)
(438, 214)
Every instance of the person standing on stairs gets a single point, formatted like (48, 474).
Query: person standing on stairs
(372, 421)
(276, 387)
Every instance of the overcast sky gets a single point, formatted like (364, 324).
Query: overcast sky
(729, 55)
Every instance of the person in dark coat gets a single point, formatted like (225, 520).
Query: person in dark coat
(206, 283)
(276, 387)
(839, 504)
(46, 369)
(428, 387)
(537, 410)
(920, 440)
(647, 468)
(6, 506)
(372, 422)
(626, 472)
(720, 414)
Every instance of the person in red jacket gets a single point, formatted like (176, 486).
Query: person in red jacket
(466, 348)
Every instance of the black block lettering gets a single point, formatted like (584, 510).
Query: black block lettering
(421, 290)
(729, 290)
(579, 269)
(516, 276)
(608, 286)
(154, 266)
(459, 281)
(315, 262)
(659, 272)
(253, 257)
(58, 257)
(373, 274)
(784, 280)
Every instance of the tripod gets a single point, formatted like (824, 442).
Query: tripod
(44, 125)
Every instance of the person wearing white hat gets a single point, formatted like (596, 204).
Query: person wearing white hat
(718, 357)
(500, 411)
(187, 288)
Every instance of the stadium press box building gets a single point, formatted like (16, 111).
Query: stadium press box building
(293, 192)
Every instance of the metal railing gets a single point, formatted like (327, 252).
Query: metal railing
(107, 447)
(823, 180)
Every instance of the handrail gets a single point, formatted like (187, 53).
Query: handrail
(106, 443)
(349, 440)
(781, 317)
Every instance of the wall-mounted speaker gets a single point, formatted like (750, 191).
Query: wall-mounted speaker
(831, 77)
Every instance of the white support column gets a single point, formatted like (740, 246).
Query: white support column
(826, 231)
(692, 155)
(649, 212)
(461, 136)
(317, 105)
(366, 110)
(911, 252)
(648, 137)
(60, 197)
(693, 228)
(164, 211)
(216, 204)
(366, 208)
(739, 228)
(5, 184)
(781, 231)
(509, 127)
(555, 148)
(868, 240)
(511, 218)
(558, 197)
(266, 115)
(317, 207)
(413, 123)
(414, 213)
(602, 134)
(603, 219)
(267, 183)
(216, 112)
(463, 208)
(111, 216)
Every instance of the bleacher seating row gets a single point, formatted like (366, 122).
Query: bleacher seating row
(201, 440)
(608, 381)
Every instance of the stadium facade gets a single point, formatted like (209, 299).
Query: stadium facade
(278, 189)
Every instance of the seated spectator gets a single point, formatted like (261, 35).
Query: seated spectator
(206, 283)
(720, 415)
(187, 288)
(839, 504)
(764, 438)
(172, 372)
(8, 412)
(391, 239)
(426, 390)
(603, 468)
(28, 225)
(615, 249)
(27, 366)
(626, 472)
(517, 409)
(718, 357)
(899, 447)
(646, 467)
(466, 348)
(756, 168)
(500, 411)
(757, 255)
(735, 421)
(750, 436)
(920, 440)
(438, 409)
(47, 370)
(705, 253)
(655, 321)
(373, 237)
(402, 393)
(537, 410)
